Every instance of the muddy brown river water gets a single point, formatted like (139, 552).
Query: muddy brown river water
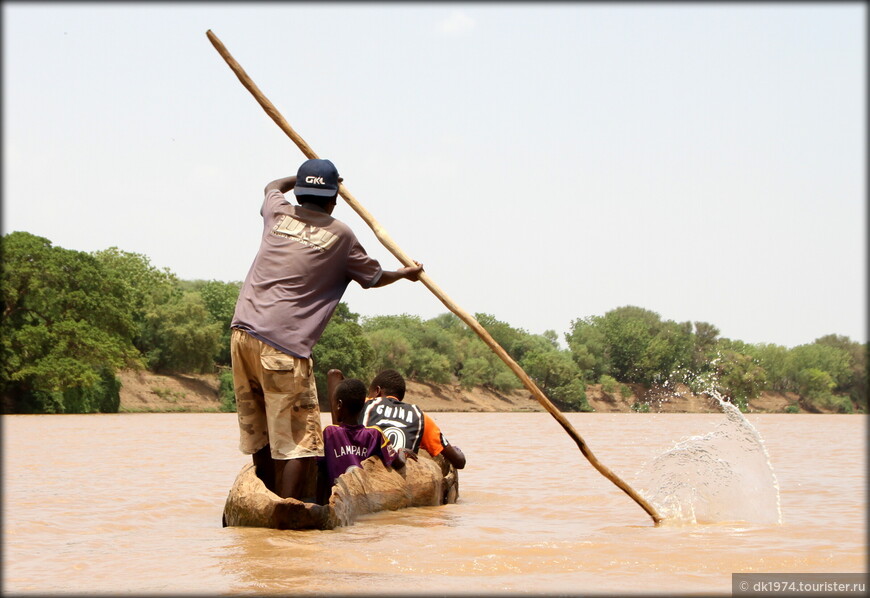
(132, 503)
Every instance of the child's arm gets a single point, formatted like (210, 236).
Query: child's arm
(333, 377)
(402, 456)
(435, 443)
(389, 455)
(454, 456)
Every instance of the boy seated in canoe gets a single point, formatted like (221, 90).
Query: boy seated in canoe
(346, 443)
(405, 424)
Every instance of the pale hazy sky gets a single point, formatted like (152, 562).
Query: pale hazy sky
(545, 162)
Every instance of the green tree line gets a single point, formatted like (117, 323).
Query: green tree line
(72, 319)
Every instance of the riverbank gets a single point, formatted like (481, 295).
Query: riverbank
(146, 392)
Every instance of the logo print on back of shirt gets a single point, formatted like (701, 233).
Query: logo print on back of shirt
(306, 234)
(396, 437)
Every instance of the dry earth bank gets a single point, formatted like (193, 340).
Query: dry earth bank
(146, 392)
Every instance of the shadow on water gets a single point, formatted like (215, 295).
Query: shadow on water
(722, 476)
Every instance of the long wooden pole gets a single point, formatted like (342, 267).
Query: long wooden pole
(472, 323)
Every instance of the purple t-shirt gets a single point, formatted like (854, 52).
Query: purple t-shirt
(305, 262)
(348, 446)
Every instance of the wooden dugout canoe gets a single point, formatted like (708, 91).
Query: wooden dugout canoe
(372, 488)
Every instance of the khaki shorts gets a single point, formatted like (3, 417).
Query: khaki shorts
(276, 399)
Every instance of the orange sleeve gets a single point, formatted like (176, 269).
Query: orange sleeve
(431, 437)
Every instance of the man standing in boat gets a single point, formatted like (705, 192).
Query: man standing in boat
(305, 262)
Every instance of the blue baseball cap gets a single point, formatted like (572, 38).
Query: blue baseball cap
(316, 177)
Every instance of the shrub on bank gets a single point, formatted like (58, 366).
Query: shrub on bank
(226, 391)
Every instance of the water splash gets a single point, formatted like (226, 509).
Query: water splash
(724, 475)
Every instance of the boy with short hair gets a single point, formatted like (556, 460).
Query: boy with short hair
(405, 424)
(347, 444)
